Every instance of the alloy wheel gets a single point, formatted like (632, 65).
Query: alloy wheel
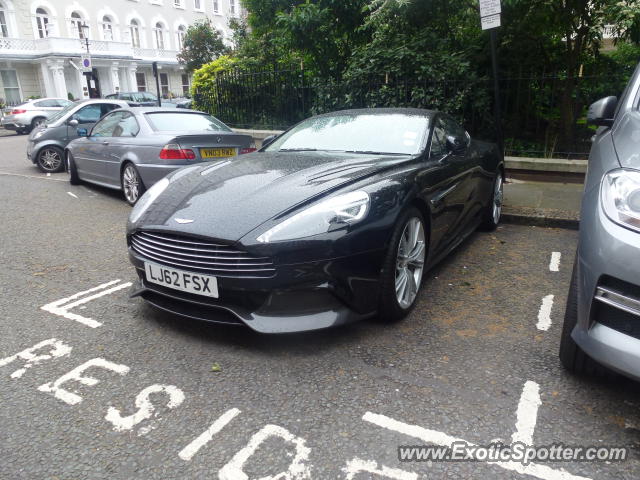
(131, 184)
(497, 199)
(50, 160)
(410, 262)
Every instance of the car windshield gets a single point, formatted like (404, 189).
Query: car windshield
(61, 113)
(393, 133)
(170, 121)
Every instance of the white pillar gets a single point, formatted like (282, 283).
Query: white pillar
(115, 77)
(49, 90)
(57, 73)
(133, 83)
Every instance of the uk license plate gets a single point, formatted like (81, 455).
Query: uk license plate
(180, 280)
(217, 152)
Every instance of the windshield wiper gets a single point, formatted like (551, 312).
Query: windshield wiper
(370, 152)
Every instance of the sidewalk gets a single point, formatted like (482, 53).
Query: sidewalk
(547, 204)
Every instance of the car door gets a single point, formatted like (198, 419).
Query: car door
(45, 108)
(87, 117)
(121, 140)
(93, 164)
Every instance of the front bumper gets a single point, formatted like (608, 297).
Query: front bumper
(300, 297)
(609, 261)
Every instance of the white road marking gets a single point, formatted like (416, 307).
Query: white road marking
(145, 409)
(57, 349)
(554, 263)
(439, 438)
(72, 194)
(544, 315)
(32, 176)
(358, 465)
(298, 469)
(205, 437)
(73, 398)
(61, 307)
(527, 414)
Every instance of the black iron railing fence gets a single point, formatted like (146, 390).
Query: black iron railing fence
(531, 104)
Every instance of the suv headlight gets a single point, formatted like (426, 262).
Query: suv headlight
(620, 194)
(330, 214)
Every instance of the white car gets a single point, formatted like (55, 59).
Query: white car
(27, 116)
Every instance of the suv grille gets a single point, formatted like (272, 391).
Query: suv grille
(198, 255)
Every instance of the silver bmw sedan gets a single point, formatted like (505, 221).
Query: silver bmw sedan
(130, 149)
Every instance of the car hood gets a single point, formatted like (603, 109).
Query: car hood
(227, 199)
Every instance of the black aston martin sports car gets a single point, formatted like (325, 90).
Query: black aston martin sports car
(335, 220)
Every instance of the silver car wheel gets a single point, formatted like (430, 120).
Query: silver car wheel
(410, 262)
(50, 159)
(131, 184)
(497, 199)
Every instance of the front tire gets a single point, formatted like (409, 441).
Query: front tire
(50, 159)
(403, 267)
(72, 171)
(493, 211)
(131, 182)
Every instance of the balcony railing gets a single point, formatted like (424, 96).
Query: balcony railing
(75, 46)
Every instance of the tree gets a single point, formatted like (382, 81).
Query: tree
(202, 44)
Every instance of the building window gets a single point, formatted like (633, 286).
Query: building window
(4, 31)
(11, 87)
(42, 22)
(107, 28)
(159, 34)
(197, 5)
(232, 7)
(164, 85)
(134, 29)
(76, 25)
(182, 31)
(141, 80)
(185, 84)
(216, 6)
(178, 3)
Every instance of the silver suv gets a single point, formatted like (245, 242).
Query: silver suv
(27, 116)
(45, 146)
(602, 318)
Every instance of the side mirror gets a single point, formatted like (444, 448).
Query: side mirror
(82, 132)
(73, 122)
(456, 145)
(268, 140)
(601, 112)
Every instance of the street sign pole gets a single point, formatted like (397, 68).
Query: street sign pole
(490, 18)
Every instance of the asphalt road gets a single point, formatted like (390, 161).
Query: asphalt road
(471, 362)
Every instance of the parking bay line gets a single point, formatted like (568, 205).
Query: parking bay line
(554, 263)
(61, 307)
(33, 176)
(544, 314)
(205, 437)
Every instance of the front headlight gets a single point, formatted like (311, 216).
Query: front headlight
(148, 198)
(620, 195)
(38, 134)
(330, 214)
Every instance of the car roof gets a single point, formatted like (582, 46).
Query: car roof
(383, 111)
(89, 101)
(46, 98)
(162, 110)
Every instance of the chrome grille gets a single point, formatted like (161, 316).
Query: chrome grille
(198, 255)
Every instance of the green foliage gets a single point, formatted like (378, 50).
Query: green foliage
(202, 44)
(204, 78)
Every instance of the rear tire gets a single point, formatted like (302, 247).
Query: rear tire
(571, 355)
(36, 122)
(72, 171)
(131, 183)
(403, 267)
(50, 159)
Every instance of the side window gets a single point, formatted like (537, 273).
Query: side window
(108, 107)
(107, 126)
(88, 114)
(127, 126)
(438, 140)
(126, 96)
(148, 97)
(46, 103)
(62, 103)
(452, 129)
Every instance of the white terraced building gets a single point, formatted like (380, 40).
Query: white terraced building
(41, 43)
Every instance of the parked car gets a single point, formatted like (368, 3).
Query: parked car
(140, 99)
(326, 224)
(46, 143)
(134, 147)
(602, 319)
(184, 103)
(33, 113)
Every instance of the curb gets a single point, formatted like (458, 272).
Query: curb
(541, 218)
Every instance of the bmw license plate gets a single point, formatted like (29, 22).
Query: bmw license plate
(217, 152)
(180, 280)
